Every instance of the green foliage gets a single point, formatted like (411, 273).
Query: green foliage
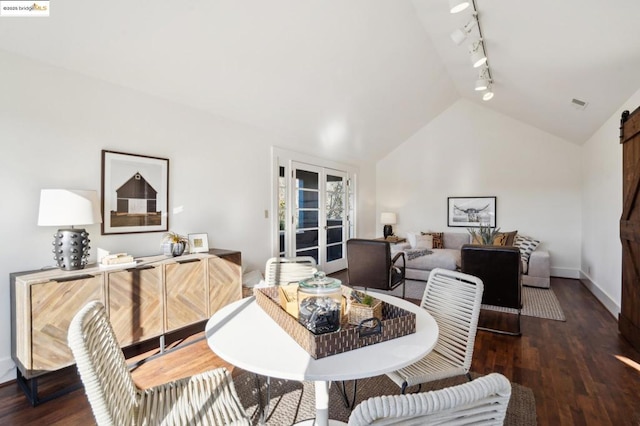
(367, 300)
(173, 237)
(484, 234)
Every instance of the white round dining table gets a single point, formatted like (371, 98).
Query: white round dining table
(244, 335)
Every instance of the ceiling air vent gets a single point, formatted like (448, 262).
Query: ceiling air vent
(578, 104)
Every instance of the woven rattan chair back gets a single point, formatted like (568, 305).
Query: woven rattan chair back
(285, 270)
(102, 366)
(483, 401)
(454, 300)
(206, 399)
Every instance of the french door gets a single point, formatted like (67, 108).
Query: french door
(315, 206)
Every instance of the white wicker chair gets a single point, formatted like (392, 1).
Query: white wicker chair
(454, 300)
(285, 270)
(205, 399)
(483, 401)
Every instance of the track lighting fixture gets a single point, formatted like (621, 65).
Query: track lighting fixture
(456, 6)
(482, 83)
(459, 35)
(487, 94)
(476, 50)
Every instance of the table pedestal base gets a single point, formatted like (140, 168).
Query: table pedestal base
(322, 408)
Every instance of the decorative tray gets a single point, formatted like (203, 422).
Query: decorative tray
(396, 322)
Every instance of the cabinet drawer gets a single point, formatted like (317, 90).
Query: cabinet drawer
(225, 281)
(186, 293)
(53, 305)
(135, 304)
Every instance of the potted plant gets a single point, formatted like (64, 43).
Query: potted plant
(174, 243)
(483, 235)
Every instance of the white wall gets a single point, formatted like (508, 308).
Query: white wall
(54, 125)
(470, 150)
(601, 209)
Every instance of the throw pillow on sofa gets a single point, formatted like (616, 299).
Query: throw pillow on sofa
(420, 240)
(424, 242)
(511, 237)
(438, 239)
(526, 245)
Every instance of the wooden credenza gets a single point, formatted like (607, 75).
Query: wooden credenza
(158, 296)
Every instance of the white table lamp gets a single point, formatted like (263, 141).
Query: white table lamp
(388, 219)
(67, 207)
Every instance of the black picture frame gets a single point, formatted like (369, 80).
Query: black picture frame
(471, 212)
(135, 193)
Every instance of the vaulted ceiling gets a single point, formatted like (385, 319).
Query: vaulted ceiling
(355, 77)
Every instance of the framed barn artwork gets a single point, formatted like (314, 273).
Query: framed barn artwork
(135, 193)
(471, 212)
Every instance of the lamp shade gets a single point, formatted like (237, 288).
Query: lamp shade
(61, 207)
(456, 6)
(388, 218)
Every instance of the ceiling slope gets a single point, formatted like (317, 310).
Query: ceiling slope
(348, 79)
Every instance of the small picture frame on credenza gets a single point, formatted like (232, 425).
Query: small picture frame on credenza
(198, 243)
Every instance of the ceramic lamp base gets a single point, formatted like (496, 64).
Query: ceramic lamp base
(387, 231)
(71, 248)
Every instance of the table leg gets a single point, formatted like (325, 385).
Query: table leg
(322, 403)
(322, 408)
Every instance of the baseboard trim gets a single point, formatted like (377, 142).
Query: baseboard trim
(565, 273)
(599, 294)
(7, 370)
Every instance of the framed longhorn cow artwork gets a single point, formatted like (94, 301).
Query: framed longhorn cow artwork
(471, 212)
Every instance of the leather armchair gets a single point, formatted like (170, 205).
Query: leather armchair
(500, 269)
(370, 265)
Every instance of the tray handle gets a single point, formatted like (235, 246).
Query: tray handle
(365, 330)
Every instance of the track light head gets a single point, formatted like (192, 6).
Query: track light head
(478, 57)
(481, 84)
(484, 80)
(456, 6)
(487, 94)
(459, 35)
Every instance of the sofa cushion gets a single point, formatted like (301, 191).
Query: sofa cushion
(437, 237)
(455, 240)
(526, 245)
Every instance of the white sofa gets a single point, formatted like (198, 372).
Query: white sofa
(536, 272)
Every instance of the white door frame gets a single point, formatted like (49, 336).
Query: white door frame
(282, 157)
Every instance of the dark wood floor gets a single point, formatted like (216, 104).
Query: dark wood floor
(581, 371)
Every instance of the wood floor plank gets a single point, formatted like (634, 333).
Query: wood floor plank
(571, 367)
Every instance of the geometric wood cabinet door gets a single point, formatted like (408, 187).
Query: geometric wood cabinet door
(186, 293)
(135, 304)
(53, 305)
(225, 276)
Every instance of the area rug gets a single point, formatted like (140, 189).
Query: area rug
(536, 302)
(293, 401)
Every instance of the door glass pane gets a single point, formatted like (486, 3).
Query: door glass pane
(307, 179)
(313, 253)
(282, 209)
(334, 252)
(334, 200)
(334, 235)
(307, 219)
(306, 239)
(307, 199)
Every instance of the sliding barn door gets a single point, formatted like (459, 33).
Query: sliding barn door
(629, 320)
